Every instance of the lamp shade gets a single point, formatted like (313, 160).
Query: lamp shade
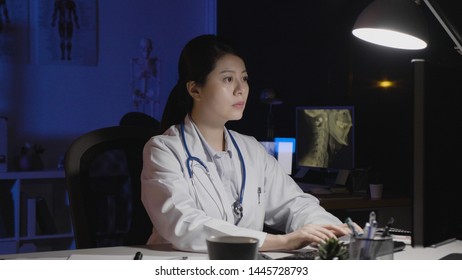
(393, 23)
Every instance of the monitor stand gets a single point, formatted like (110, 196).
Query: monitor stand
(322, 181)
(301, 173)
(452, 256)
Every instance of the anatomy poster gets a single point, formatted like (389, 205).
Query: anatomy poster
(68, 32)
(14, 31)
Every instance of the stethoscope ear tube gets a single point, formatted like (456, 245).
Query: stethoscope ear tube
(189, 162)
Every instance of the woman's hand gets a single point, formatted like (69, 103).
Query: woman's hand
(308, 234)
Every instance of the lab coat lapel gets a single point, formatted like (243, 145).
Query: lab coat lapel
(219, 189)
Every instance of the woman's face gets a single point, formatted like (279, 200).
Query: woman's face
(223, 96)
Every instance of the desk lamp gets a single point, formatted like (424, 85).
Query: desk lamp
(268, 96)
(401, 24)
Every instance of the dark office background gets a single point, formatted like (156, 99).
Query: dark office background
(303, 50)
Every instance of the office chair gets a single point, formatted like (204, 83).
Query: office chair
(103, 169)
(139, 119)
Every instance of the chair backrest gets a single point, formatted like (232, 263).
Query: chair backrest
(139, 119)
(103, 169)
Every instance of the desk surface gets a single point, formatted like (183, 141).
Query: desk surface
(164, 252)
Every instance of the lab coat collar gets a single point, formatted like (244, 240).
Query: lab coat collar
(209, 151)
(193, 139)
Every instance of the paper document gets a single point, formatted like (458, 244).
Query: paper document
(128, 257)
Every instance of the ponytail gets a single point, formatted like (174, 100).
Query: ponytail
(179, 104)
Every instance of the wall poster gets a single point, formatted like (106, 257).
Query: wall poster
(67, 32)
(14, 31)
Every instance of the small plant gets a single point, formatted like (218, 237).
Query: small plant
(30, 157)
(333, 249)
(28, 148)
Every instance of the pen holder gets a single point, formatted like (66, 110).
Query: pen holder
(377, 248)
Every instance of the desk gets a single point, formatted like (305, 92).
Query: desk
(355, 202)
(341, 201)
(165, 252)
(429, 253)
(160, 251)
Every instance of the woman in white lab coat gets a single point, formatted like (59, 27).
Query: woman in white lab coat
(200, 179)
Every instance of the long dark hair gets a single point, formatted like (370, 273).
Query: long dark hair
(198, 58)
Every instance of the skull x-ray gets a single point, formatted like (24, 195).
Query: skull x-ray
(325, 138)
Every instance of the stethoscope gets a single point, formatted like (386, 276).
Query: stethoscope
(238, 210)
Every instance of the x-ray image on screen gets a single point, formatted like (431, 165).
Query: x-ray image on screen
(325, 137)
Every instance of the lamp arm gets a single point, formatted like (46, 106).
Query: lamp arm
(458, 46)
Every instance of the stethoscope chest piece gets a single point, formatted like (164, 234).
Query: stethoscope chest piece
(238, 211)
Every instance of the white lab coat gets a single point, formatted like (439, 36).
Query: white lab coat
(185, 214)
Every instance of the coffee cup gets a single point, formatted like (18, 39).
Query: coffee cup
(376, 191)
(232, 248)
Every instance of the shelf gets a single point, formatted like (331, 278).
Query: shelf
(45, 174)
(7, 239)
(49, 236)
(37, 204)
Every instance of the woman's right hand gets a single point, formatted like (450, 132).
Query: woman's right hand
(308, 234)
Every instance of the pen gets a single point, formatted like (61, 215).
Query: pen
(179, 258)
(372, 217)
(367, 229)
(259, 193)
(138, 256)
(371, 225)
(349, 222)
(365, 253)
(373, 229)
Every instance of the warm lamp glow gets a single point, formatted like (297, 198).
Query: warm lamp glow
(385, 84)
(389, 38)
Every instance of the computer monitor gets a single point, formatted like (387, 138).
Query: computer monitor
(282, 149)
(325, 138)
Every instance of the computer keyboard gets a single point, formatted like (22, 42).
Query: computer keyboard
(400, 231)
(306, 255)
(396, 231)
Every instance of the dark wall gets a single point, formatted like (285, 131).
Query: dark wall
(304, 50)
(51, 102)
(288, 49)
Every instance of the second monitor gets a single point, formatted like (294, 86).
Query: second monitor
(325, 137)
